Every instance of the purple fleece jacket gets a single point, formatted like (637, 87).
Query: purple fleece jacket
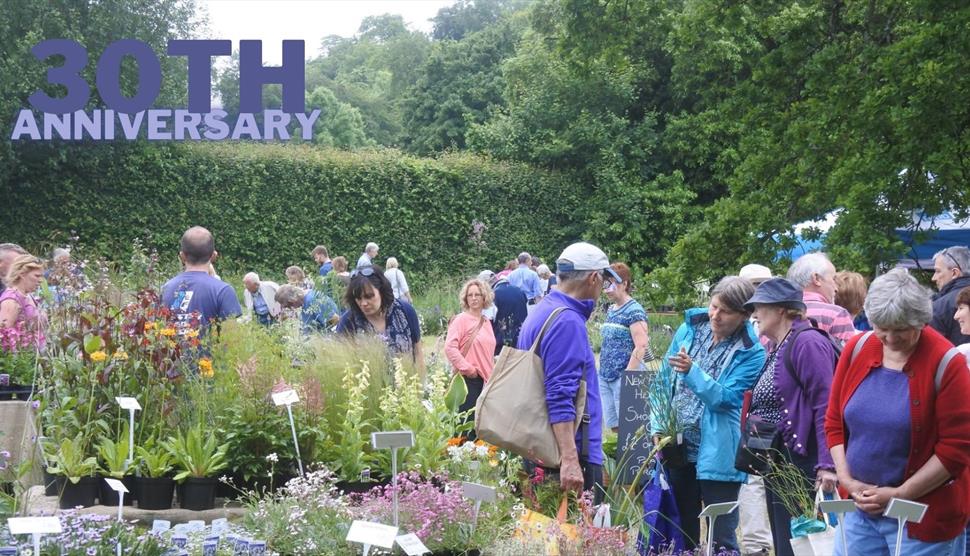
(567, 356)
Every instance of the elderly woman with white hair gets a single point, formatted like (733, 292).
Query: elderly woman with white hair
(398, 282)
(713, 359)
(260, 299)
(898, 426)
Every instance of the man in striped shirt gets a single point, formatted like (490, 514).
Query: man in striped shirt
(815, 273)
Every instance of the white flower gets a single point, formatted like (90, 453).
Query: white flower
(273, 458)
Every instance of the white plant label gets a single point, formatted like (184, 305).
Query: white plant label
(196, 525)
(412, 545)
(116, 485)
(220, 525)
(159, 526)
(372, 534)
(34, 525)
(128, 403)
(286, 397)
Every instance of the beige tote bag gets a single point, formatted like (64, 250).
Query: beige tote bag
(511, 410)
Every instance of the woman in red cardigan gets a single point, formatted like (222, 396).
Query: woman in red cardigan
(897, 430)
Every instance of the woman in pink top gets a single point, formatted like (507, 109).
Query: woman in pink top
(470, 345)
(18, 311)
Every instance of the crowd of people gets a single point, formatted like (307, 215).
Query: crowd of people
(865, 384)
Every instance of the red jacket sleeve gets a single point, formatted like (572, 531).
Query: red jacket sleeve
(953, 417)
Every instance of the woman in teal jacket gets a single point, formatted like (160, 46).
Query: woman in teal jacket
(713, 359)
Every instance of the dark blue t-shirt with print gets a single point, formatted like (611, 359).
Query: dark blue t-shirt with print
(197, 292)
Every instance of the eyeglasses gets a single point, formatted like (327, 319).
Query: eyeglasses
(363, 271)
(952, 258)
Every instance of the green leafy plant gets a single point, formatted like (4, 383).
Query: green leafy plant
(155, 461)
(348, 452)
(194, 456)
(113, 456)
(70, 461)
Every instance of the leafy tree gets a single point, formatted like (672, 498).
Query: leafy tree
(464, 17)
(339, 125)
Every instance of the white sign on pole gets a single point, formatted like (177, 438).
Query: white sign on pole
(116, 485)
(711, 512)
(903, 511)
(220, 526)
(34, 525)
(286, 397)
(372, 534)
(412, 545)
(196, 525)
(128, 403)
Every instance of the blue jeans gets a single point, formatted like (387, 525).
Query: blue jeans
(610, 401)
(876, 536)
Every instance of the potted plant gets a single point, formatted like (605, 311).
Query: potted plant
(114, 464)
(156, 487)
(80, 486)
(198, 461)
(663, 411)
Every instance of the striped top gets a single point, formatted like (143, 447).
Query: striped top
(831, 318)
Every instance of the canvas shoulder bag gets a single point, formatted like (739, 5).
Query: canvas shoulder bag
(511, 411)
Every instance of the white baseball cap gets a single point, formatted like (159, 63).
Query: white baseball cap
(487, 276)
(755, 273)
(585, 256)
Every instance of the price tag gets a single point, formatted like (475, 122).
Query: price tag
(372, 534)
(159, 526)
(116, 485)
(412, 545)
(220, 526)
(31, 525)
(286, 397)
(196, 525)
(128, 403)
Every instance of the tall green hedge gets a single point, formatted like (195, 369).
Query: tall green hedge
(268, 205)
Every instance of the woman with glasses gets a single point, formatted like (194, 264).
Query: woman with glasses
(713, 359)
(470, 343)
(898, 426)
(20, 317)
(626, 344)
(372, 309)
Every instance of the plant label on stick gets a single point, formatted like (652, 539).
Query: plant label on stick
(905, 510)
(116, 485)
(836, 506)
(286, 397)
(372, 534)
(196, 525)
(34, 525)
(130, 404)
(475, 491)
(159, 526)
(412, 545)
(391, 440)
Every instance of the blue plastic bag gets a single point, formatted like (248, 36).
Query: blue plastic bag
(802, 526)
(661, 519)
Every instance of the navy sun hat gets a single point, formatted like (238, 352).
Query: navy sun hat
(776, 291)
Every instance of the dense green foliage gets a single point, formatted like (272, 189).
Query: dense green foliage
(268, 205)
(702, 131)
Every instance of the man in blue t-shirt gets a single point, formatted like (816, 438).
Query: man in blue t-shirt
(322, 257)
(526, 279)
(318, 313)
(193, 292)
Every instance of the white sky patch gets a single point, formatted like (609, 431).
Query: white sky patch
(309, 20)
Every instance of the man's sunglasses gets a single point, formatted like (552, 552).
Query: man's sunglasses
(363, 271)
(952, 258)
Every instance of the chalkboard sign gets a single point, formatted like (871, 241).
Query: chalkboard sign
(633, 445)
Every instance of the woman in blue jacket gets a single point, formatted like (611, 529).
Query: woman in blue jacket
(715, 357)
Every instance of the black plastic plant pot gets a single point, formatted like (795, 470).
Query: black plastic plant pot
(84, 493)
(155, 494)
(108, 496)
(198, 494)
(53, 484)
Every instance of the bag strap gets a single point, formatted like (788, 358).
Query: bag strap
(545, 326)
(858, 346)
(941, 368)
(471, 339)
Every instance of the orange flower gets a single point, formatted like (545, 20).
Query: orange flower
(205, 367)
(456, 441)
(149, 325)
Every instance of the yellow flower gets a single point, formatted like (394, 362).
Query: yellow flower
(205, 367)
(193, 333)
(150, 325)
(171, 344)
(121, 355)
(99, 356)
(168, 331)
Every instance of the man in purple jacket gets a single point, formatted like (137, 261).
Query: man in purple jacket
(567, 358)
